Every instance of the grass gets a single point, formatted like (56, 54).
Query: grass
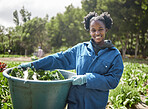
(7, 55)
(137, 60)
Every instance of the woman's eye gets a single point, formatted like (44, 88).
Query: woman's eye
(93, 30)
(100, 29)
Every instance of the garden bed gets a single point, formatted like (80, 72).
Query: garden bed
(15, 59)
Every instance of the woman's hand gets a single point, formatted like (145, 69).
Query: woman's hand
(79, 80)
(25, 65)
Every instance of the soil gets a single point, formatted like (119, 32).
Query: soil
(15, 59)
(141, 106)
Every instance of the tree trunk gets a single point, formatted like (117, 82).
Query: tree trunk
(25, 52)
(124, 49)
(144, 45)
(131, 44)
(137, 44)
(9, 41)
(124, 46)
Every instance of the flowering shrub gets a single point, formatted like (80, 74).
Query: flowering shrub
(2, 66)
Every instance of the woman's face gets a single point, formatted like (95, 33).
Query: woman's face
(97, 31)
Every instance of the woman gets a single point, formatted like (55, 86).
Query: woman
(98, 65)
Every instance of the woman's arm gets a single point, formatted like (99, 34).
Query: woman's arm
(63, 60)
(109, 80)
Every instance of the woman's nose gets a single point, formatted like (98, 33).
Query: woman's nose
(97, 33)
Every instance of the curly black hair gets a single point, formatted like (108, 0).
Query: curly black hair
(104, 17)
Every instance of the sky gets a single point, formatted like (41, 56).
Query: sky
(38, 8)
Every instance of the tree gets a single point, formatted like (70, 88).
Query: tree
(142, 26)
(33, 34)
(17, 44)
(89, 5)
(67, 29)
(2, 39)
(128, 16)
(129, 32)
(25, 14)
(9, 34)
(73, 18)
(16, 17)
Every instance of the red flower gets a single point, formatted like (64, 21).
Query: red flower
(2, 66)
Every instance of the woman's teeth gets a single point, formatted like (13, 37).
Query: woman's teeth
(98, 36)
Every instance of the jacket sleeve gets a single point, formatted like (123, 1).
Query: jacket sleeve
(63, 60)
(109, 80)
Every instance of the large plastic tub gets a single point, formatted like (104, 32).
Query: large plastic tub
(32, 94)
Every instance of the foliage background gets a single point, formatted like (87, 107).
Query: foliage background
(129, 32)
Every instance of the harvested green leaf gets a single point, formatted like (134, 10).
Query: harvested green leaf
(17, 73)
(32, 74)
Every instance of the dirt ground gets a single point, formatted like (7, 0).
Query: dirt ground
(15, 59)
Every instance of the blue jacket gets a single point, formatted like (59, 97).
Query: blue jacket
(103, 72)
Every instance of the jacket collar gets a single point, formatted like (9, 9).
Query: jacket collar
(91, 50)
(89, 46)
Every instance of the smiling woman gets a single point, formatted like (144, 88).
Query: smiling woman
(97, 62)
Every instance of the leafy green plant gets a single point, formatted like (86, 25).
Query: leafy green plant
(136, 75)
(17, 73)
(124, 96)
(33, 74)
(133, 84)
(8, 55)
(34, 58)
(5, 98)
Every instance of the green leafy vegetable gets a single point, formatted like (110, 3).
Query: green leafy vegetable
(32, 74)
(17, 73)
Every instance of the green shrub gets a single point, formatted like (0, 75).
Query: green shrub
(124, 96)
